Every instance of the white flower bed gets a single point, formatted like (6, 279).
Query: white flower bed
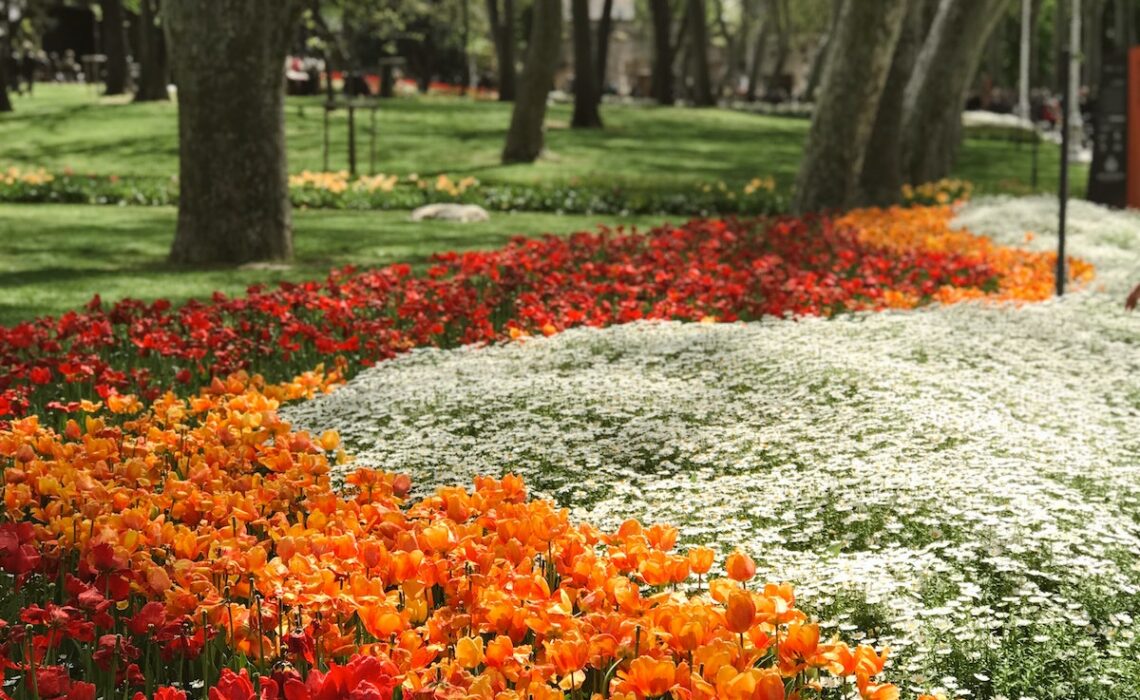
(963, 482)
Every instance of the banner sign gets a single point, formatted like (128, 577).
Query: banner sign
(1109, 178)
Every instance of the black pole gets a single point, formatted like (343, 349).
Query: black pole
(351, 139)
(1064, 193)
(372, 143)
(1033, 174)
(325, 142)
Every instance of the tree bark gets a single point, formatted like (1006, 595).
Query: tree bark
(233, 182)
(5, 99)
(945, 68)
(114, 31)
(152, 61)
(727, 82)
(819, 61)
(702, 80)
(849, 99)
(760, 46)
(1060, 26)
(5, 59)
(503, 36)
(586, 93)
(524, 139)
(662, 78)
(783, 38)
(882, 178)
(605, 29)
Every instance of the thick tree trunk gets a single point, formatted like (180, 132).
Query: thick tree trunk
(848, 102)
(586, 93)
(524, 139)
(605, 29)
(114, 31)
(5, 99)
(233, 182)
(152, 59)
(503, 36)
(936, 92)
(662, 79)
(882, 177)
(702, 80)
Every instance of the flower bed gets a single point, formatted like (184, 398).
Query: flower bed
(725, 270)
(961, 483)
(199, 542)
(197, 546)
(392, 192)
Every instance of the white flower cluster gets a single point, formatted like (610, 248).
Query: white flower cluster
(960, 483)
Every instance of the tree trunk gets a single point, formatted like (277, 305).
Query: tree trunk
(233, 182)
(848, 102)
(6, 60)
(586, 93)
(465, 40)
(114, 30)
(503, 35)
(819, 61)
(783, 39)
(702, 80)
(727, 82)
(662, 80)
(152, 61)
(605, 29)
(5, 99)
(1035, 52)
(756, 65)
(936, 92)
(882, 176)
(524, 139)
(1060, 31)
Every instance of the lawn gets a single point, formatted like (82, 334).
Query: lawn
(69, 126)
(56, 257)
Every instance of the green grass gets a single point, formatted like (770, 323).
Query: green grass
(69, 126)
(56, 257)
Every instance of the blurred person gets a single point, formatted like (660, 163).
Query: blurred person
(28, 68)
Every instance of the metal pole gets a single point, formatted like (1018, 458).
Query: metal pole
(372, 143)
(1064, 193)
(1033, 173)
(328, 108)
(351, 139)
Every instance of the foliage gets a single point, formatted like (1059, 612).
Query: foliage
(389, 192)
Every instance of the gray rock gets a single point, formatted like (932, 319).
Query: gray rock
(463, 213)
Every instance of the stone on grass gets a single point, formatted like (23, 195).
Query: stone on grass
(463, 213)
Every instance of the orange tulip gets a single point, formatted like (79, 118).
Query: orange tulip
(469, 652)
(740, 566)
(648, 677)
(701, 559)
(740, 612)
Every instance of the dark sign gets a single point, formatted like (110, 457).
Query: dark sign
(1108, 179)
